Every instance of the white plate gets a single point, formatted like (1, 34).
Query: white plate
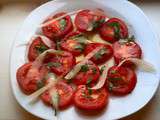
(118, 106)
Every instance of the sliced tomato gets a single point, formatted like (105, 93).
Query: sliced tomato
(102, 55)
(34, 81)
(121, 80)
(58, 29)
(126, 50)
(90, 100)
(89, 73)
(37, 47)
(86, 20)
(74, 43)
(60, 64)
(65, 92)
(113, 30)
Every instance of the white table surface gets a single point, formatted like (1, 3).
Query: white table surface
(12, 14)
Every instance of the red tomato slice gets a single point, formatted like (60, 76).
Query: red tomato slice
(37, 47)
(121, 80)
(60, 64)
(86, 19)
(66, 93)
(126, 50)
(89, 73)
(95, 100)
(30, 85)
(74, 43)
(58, 29)
(113, 30)
(102, 55)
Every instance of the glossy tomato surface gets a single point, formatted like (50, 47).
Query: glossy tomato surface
(65, 92)
(61, 63)
(74, 42)
(88, 74)
(37, 47)
(30, 80)
(102, 55)
(87, 20)
(121, 80)
(113, 30)
(95, 100)
(126, 50)
(58, 29)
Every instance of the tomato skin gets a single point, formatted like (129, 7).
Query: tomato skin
(91, 104)
(126, 50)
(104, 57)
(82, 77)
(107, 32)
(53, 30)
(66, 94)
(84, 18)
(127, 82)
(69, 43)
(33, 53)
(27, 85)
(66, 61)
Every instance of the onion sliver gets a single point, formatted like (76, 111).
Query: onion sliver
(77, 67)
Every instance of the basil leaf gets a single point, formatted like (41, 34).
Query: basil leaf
(116, 27)
(79, 47)
(90, 91)
(40, 83)
(94, 70)
(89, 82)
(63, 24)
(96, 24)
(84, 68)
(102, 69)
(41, 48)
(100, 53)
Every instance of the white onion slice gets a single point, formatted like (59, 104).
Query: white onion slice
(103, 77)
(77, 67)
(143, 65)
(58, 18)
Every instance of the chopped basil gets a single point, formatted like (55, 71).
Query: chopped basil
(79, 47)
(62, 23)
(54, 64)
(116, 27)
(102, 69)
(96, 24)
(79, 38)
(84, 68)
(94, 70)
(100, 53)
(40, 83)
(127, 40)
(41, 48)
(89, 91)
(88, 82)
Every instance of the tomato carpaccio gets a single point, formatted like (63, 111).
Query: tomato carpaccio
(65, 92)
(60, 64)
(58, 29)
(30, 82)
(88, 74)
(121, 80)
(95, 100)
(74, 43)
(37, 47)
(86, 20)
(102, 55)
(113, 30)
(123, 50)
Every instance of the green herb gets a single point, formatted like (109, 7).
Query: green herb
(40, 83)
(88, 83)
(96, 24)
(116, 27)
(94, 70)
(100, 53)
(110, 86)
(54, 64)
(62, 23)
(41, 48)
(102, 69)
(115, 78)
(79, 38)
(84, 68)
(89, 91)
(79, 47)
